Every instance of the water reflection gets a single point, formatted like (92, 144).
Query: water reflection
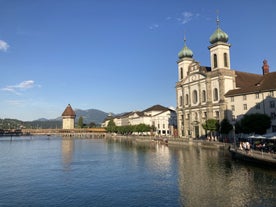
(67, 149)
(208, 178)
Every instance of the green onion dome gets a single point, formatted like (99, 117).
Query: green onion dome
(185, 52)
(218, 35)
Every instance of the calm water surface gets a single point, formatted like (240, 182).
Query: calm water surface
(53, 171)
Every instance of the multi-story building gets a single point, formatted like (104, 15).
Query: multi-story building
(217, 91)
(162, 118)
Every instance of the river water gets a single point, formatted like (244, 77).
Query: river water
(54, 171)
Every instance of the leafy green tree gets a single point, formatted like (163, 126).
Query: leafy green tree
(225, 126)
(211, 125)
(255, 123)
(80, 122)
(92, 124)
(111, 126)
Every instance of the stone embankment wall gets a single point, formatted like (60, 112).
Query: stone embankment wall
(167, 141)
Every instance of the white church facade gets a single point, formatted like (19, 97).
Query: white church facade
(219, 92)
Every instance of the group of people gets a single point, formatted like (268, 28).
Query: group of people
(245, 146)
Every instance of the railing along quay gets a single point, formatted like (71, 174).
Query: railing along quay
(86, 132)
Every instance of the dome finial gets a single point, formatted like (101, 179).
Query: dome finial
(184, 39)
(217, 20)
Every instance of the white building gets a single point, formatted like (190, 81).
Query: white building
(217, 91)
(162, 118)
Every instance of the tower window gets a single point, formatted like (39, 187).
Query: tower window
(215, 61)
(181, 73)
(225, 60)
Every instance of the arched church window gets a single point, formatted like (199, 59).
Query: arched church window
(215, 61)
(225, 59)
(187, 99)
(181, 73)
(195, 98)
(180, 101)
(203, 96)
(215, 94)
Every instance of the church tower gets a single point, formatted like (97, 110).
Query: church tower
(185, 59)
(219, 49)
(68, 118)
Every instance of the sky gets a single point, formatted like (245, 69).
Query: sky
(118, 55)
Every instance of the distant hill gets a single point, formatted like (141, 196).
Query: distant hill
(91, 115)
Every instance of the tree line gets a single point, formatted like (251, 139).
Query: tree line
(249, 124)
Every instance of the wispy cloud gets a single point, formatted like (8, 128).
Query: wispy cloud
(19, 87)
(183, 18)
(4, 46)
(187, 16)
(154, 26)
(15, 102)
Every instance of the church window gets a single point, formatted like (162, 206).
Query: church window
(203, 96)
(232, 107)
(244, 97)
(195, 97)
(217, 114)
(215, 61)
(215, 94)
(232, 99)
(225, 59)
(187, 99)
(180, 101)
(181, 73)
(244, 106)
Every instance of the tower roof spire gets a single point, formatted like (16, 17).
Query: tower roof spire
(185, 52)
(218, 35)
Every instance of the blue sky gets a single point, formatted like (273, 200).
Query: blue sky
(117, 55)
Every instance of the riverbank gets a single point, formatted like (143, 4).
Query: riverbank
(168, 141)
(256, 157)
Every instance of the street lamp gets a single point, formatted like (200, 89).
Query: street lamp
(234, 134)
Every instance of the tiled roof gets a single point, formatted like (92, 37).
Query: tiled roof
(252, 83)
(156, 108)
(69, 111)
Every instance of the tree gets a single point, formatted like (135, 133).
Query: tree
(225, 126)
(92, 124)
(211, 125)
(255, 123)
(111, 126)
(80, 122)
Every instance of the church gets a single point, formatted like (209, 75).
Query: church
(219, 92)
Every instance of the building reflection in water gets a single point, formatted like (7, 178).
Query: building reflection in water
(67, 149)
(207, 180)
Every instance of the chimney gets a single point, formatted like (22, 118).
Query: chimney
(265, 67)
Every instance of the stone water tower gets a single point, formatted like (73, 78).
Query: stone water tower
(68, 118)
